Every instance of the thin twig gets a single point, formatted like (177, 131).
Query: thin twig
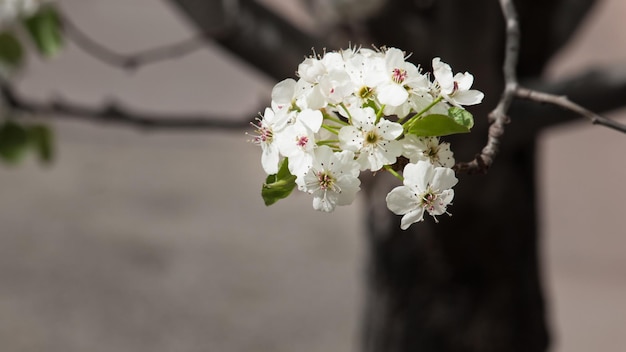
(115, 113)
(141, 58)
(498, 116)
(564, 102)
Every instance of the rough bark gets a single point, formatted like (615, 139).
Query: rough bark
(473, 281)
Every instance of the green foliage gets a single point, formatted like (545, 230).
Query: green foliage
(458, 120)
(461, 116)
(278, 186)
(46, 30)
(17, 139)
(42, 141)
(13, 142)
(11, 51)
(436, 125)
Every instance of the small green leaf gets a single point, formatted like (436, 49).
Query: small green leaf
(42, 139)
(46, 30)
(13, 142)
(11, 52)
(461, 116)
(371, 104)
(278, 186)
(436, 125)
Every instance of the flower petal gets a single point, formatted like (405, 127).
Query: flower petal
(349, 186)
(311, 119)
(402, 200)
(418, 175)
(269, 159)
(443, 75)
(443, 179)
(468, 97)
(350, 138)
(389, 130)
(324, 201)
(392, 94)
(414, 216)
(283, 92)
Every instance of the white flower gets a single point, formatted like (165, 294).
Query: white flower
(12, 10)
(333, 179)
(292, 95)
(375, 142)
(426, 188)
(365, 69)
(428, 149)
(311, 69)
(336, 86)
(400, 76)
(297, 141)
(284, 94)
(266, 131)
(455, 90)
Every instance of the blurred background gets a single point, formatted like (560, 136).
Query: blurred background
(159, 241)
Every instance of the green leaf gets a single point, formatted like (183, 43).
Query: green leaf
(371, 104)
(461, 116)
(13, 142)
(46, 30)
(436, 125)
(11, 52)
(42, 140)
(278, 186)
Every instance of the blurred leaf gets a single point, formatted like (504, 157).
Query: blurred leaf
(46, 30)
(13, 142)
(436, 125)
(461, 116)
(42, 140)
(11, 52)
(278, 186)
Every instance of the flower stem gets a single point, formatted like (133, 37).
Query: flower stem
(329, 142)
(330, 129)
(330, 118)
(394, 172)
(347, 112)
(379, 113)
(419, 114)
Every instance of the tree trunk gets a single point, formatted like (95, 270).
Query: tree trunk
(470, 282)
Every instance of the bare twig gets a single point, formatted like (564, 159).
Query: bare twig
(564, 102)
(142, 58)
(115, 113)
(498, 116)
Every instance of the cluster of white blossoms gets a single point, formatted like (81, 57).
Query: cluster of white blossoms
(363, 109)
(13, 10)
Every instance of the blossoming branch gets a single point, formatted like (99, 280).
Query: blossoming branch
(363, 109)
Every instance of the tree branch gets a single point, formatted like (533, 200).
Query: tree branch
(141, 58)
(114, 112)
(260, 37)
(499, 116)
(564, 102)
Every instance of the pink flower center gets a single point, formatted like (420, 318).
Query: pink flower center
(302, 141)
(264, 134)
(455, 88)
(398, 75)
(428, 201)
(325, 180)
